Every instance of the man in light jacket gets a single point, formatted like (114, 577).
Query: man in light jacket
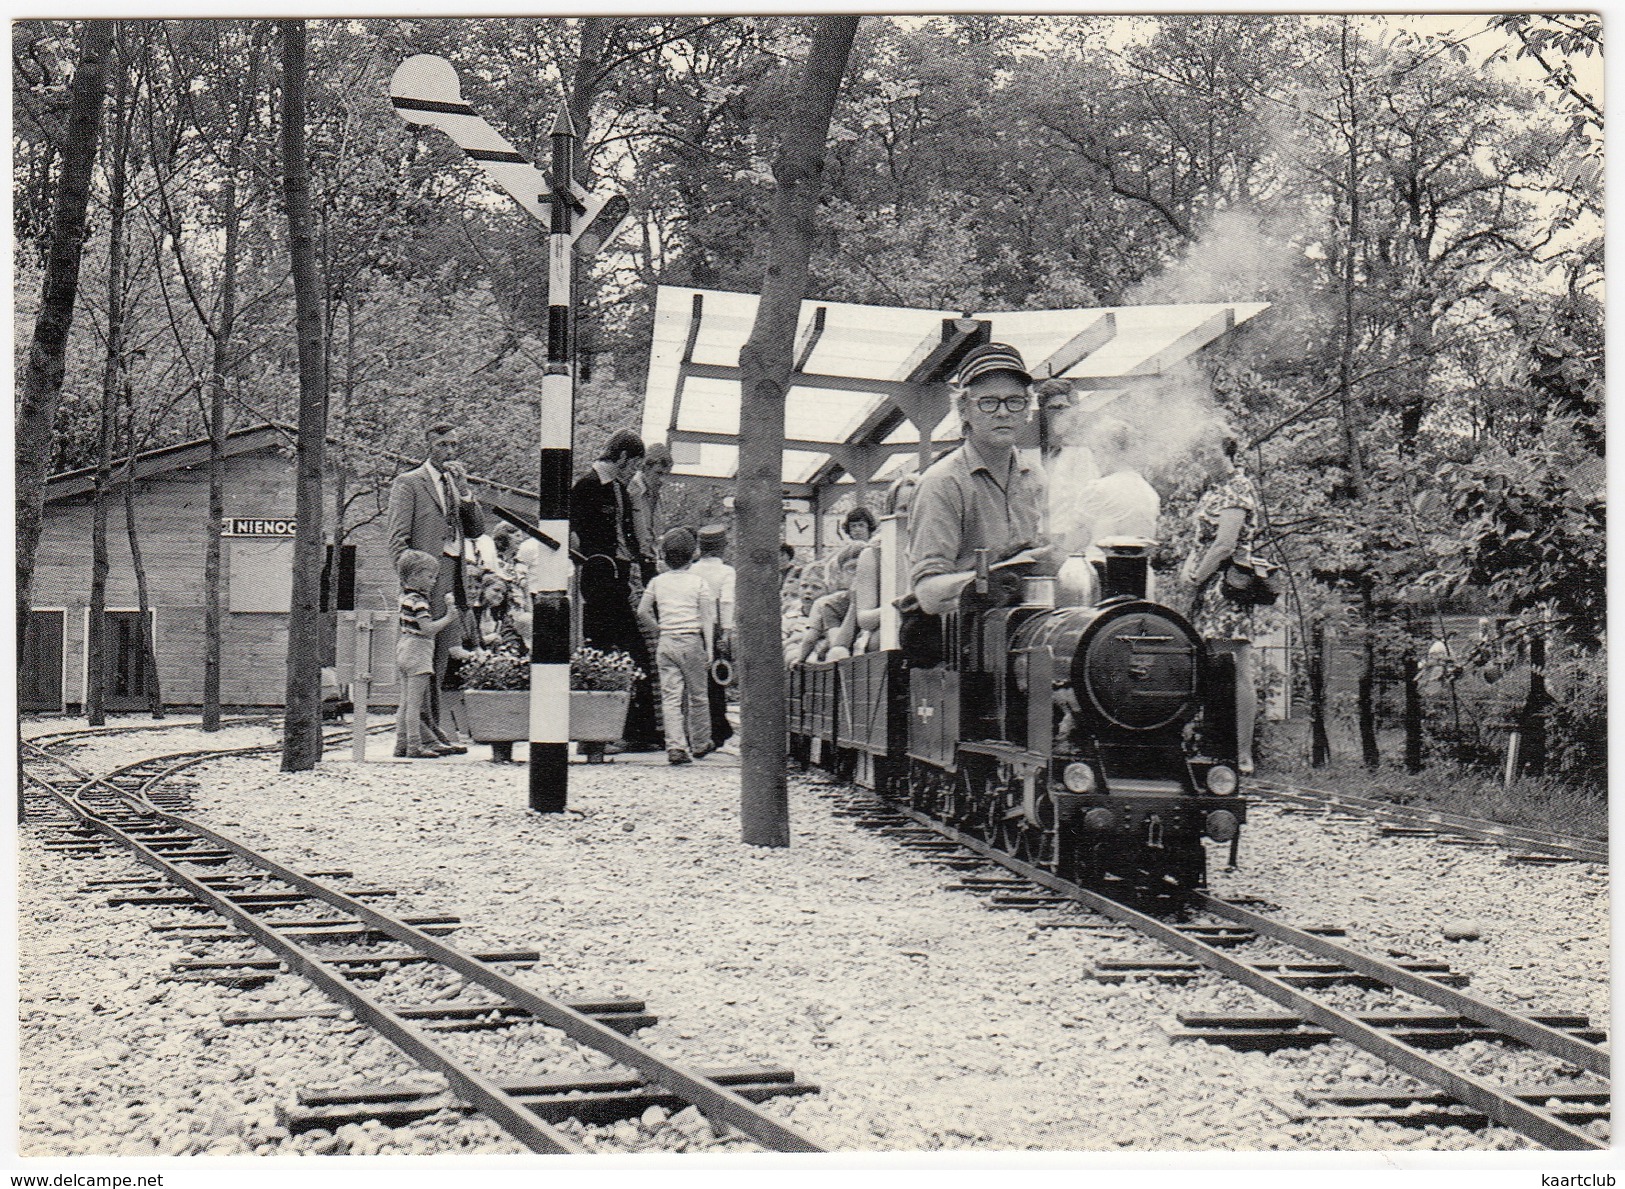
(431, 508)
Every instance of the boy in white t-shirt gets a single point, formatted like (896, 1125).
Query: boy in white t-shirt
(679, 603)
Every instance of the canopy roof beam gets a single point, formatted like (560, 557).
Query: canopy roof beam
(1082, 345)
(807, 445)
(1187, 344)
(695, 312)
(799, 379)
(924, 399)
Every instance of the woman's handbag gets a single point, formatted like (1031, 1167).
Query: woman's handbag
(1251, 582)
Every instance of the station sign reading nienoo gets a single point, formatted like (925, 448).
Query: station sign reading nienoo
(258, 526)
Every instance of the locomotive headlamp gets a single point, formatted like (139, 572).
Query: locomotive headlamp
(1078, 778)
(1222, 825)
(1221, 781)
(1099, 819)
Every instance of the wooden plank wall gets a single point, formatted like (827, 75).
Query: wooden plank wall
(171, 514)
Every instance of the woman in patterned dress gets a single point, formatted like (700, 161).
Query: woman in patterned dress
(1225, 520)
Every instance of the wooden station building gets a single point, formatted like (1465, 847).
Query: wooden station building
(171, 511)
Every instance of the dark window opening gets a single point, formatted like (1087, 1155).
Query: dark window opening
(345, 600)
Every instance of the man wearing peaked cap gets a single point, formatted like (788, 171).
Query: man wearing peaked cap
(983, 495)
(988, 359)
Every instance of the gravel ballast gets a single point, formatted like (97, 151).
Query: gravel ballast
(929, 1021)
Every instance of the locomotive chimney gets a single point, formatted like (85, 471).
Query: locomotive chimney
(1127, 568)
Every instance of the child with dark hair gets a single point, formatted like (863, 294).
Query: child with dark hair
(414, 650)
(860, 524)
(679, 604)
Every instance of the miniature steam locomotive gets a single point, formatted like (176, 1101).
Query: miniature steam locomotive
(1095, 741)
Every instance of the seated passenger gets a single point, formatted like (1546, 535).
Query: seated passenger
(828, 612)
(862, 625)
(799, 596)
(859, 524)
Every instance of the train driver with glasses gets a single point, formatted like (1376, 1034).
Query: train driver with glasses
(985, 494)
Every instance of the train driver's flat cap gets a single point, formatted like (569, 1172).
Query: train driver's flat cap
(713, 534)
(989, 358)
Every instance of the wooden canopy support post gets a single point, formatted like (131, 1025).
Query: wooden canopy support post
(927, 372)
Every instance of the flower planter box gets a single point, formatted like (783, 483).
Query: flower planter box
(503, 715)
(598, 716)
(498, 715)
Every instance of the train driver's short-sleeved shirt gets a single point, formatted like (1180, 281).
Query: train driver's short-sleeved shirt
(964, 504)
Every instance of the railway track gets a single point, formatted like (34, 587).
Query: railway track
(1551, 1116)
(1529, 844)
(340, 942)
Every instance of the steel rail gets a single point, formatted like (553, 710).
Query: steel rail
(1334, 798)
(709, 1097)
(481, 1092)
(1590, 850)
(100, 732)
(1536, 1035)
(1495, 1103)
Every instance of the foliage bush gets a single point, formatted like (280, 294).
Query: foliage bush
(496, 670)
(612, 671)
(1577, 725)
(590, 669)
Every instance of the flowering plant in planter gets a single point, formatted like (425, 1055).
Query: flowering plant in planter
(496, 670)
(606, 672)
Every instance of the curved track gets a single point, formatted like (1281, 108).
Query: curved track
(1433, 821)
(123, 808)
(1208, 947)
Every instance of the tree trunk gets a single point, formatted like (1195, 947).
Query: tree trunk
(1413, 710)
(302, 730)
(1320, 745)
(1532, 718)
(585, 82)
(42, 377)
(1366, 693)
(96, 659)
(149, 655)
(1345, 362)
(765, 364)
(341, 494)
(214, 547)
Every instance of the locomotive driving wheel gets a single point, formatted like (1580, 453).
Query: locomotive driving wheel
(1004, 817)
(924, 787)
(1038, 843)
(959, 794)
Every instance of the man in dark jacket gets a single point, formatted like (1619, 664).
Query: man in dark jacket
(432, 509)
(603, 529)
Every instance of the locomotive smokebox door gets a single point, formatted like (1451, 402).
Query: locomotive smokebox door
(933, 717)
(1141, 671)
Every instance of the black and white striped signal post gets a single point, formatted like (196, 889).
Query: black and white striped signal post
(550, 605)
(425, 90)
